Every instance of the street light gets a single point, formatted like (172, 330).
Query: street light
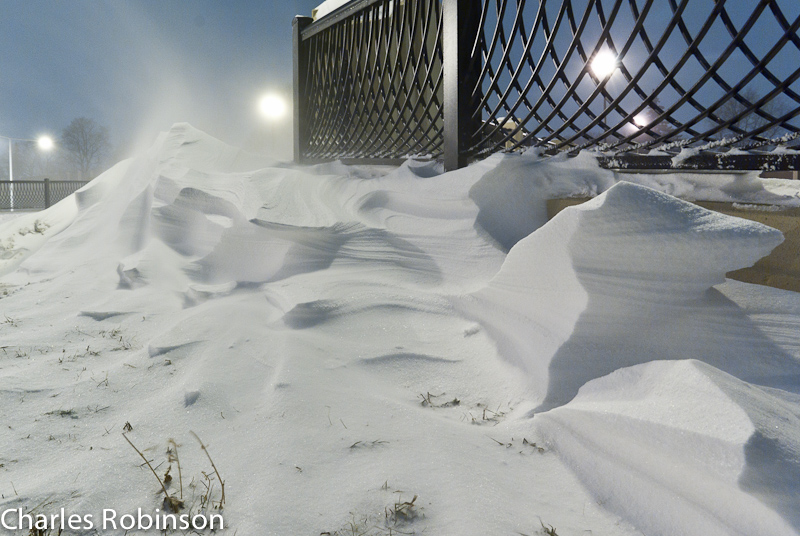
(641, 120)
(45, 143)
(272, 106)
(603, 66)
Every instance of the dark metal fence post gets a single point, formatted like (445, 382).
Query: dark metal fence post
(300, 77)
(460, 27)
(47, 193)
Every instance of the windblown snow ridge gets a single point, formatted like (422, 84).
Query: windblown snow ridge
(613, 301)
(621, 280)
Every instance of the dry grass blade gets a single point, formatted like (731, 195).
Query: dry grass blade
(221, 482)
(172, 455)
(549, 530)
(172, 502)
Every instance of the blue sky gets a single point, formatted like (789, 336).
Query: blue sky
(137, 66)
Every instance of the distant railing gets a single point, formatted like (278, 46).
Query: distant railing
(27, 195)
(636, 81)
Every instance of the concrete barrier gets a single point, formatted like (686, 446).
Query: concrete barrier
(780, 269)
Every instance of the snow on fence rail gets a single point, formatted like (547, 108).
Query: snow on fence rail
(693, 83)
(18, 195)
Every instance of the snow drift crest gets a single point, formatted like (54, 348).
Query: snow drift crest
(572, 300)
(612, 301)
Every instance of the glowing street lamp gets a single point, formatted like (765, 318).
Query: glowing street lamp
(641, 120)
(45, 143)
(272, 106)
(603, 66)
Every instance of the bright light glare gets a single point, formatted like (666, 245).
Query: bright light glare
(604, 64)
(272, 106)
(641, 120)
(45, 143)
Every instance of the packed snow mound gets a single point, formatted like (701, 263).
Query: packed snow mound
(572, 300)
(738, 445)
(512, 195)
(194, 213)
(681, 249)
(20, 237)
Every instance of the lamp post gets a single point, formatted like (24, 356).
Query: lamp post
(45, 143)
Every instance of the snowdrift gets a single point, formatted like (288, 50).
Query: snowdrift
(350, 340)
(624, 279)
(728, 452)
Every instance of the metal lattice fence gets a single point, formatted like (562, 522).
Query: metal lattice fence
(27, 195)
(379, 65)
(637, 81)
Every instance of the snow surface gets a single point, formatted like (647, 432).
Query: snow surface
(366, 350)
(326, 7)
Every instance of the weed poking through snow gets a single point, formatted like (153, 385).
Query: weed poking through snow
(547, 530)
(221, 502)
(172, 457)
(427, 401)
(174, 502)
(397, 519)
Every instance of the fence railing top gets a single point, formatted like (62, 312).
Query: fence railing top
(335, 17)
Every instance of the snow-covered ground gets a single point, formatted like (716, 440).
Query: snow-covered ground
(7, 215)
(377, 350)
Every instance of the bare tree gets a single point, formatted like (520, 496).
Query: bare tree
(749, 120)
(88, 145)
